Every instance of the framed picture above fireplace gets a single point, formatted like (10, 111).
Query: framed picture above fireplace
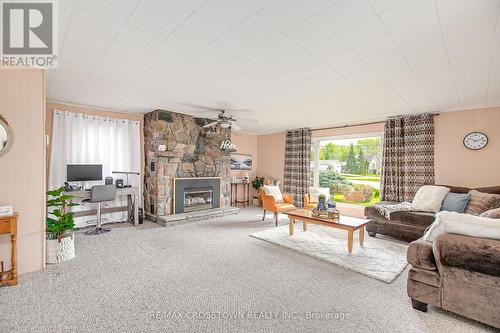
(241, 162)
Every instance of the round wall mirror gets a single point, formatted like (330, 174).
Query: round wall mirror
(6, 136)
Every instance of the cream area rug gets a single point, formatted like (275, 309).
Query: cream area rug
(379, 258)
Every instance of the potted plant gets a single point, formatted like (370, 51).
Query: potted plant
(60, 243)
(321, 202)
(257, 184)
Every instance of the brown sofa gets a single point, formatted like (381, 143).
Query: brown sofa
(409, 226)
(459, 274)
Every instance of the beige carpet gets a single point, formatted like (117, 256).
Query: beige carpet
(153, 279)
(379, 258)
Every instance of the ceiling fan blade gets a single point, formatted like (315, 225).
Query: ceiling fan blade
(206, 115)
(211, 124)
(248, 120)
(201, 107)
(239, 110)
(235, 127)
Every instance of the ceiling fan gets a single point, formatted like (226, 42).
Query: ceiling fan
(222, 119)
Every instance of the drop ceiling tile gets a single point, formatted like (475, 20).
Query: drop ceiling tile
(340, 59)
(282, 14)
(371, 84)
(381, 6)
(307, 32)
(337, 83)
(397, 106)
(346, 13)
(381, 93)
(327, 46)
(298, 58)
(319, 5)
(328, 76)
(412, 18)
(379, 52)
(315, 67)
(357, 72)
(363, 32)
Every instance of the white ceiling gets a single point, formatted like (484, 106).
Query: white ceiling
(293, 63)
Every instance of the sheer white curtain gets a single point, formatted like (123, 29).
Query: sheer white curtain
(85, 139)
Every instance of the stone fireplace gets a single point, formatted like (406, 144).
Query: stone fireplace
(192, 194)
(177, 147)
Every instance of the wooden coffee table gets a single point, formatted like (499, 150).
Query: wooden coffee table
(350, 224)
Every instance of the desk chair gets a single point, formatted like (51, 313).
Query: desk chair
(98, 195)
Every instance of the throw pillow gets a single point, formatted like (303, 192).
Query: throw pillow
(492, 213)
(275, 192)
(429, 198)
(480, 202)
(313, 194)
(455, 202)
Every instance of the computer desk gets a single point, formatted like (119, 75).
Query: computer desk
(132, 206)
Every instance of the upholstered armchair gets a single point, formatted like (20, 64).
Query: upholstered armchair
(270, 204)
(308, 204)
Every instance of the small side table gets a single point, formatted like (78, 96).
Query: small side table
(8, 225)
(246, 194)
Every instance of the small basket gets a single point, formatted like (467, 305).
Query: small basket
(331, 214)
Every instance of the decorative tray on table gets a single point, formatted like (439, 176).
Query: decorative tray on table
(331, 214)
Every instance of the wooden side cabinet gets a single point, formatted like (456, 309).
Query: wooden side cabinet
(8, 225)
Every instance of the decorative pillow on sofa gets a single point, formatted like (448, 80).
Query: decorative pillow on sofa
(429, 198)
(480, 202)
(455, 202)
(492, 213)
(275, 192)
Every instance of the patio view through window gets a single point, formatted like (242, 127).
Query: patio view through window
(348, 168)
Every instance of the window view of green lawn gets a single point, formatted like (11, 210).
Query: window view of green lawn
(348, 169)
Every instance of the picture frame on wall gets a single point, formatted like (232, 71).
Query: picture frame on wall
(241, 162)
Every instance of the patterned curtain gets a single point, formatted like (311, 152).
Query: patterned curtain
(408, 156)
(297, 157)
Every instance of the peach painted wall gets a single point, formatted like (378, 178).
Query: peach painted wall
(246, 144)
(22, 169)
(91, 111)
(271, 152)
(457, 165)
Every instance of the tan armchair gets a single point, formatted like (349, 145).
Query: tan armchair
(269, 204)
(308, 204)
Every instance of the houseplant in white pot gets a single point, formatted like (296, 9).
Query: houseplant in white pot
(60, 243)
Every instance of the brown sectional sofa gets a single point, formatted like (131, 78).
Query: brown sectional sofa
(459, 274)
(409, 226)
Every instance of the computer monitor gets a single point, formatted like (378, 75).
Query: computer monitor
(83, 172)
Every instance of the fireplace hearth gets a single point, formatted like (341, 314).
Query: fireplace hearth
(196, 193)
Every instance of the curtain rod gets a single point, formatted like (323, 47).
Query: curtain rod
(362, 124)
